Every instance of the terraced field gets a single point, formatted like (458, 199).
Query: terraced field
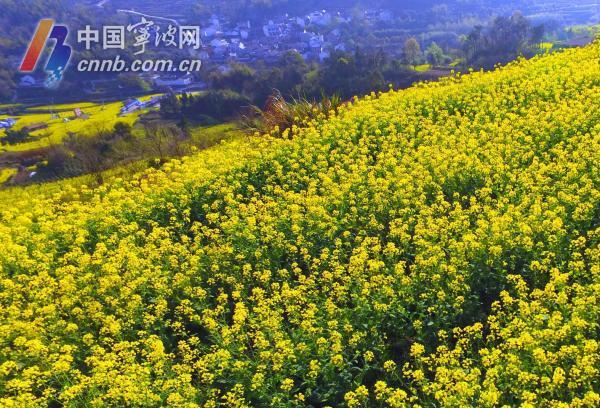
(101, 116)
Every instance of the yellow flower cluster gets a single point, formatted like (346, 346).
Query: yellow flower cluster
(437, 246)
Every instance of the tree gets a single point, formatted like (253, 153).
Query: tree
(268, 80)
(434, 54)
(184, 126)
(473, 43)
(239, 78)
(91, 154)
(219, 104)
(14, 137)
(294, 69)
(503, 41)
(133, 81)
(537, 34)
(185, 99)
(57, 163)
(122, 130)
(170, 106)
(412, 51)
(7, 83)
(163, 142)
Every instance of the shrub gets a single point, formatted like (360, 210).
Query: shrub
(280, 115)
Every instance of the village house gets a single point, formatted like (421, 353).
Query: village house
(272, 30)
(7, 123)
(316, 41)
(210, 32)
(237, 49)
(341, 47)
(220, 46)
(320, 18)
(227, 40)
(323, 55)
(173, 81)
(28, 81)
(131, 105)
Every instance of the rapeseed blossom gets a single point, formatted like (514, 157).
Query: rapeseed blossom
(436, 246)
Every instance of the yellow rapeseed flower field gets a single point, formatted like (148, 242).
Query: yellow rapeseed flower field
(437, 246)
(101, 117)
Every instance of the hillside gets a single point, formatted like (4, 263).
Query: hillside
(435, 246)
